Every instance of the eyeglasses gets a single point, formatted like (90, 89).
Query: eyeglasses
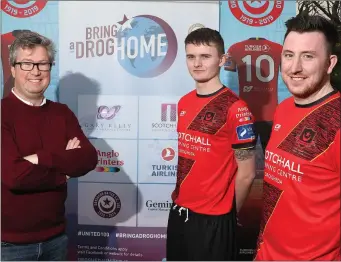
(28, 66)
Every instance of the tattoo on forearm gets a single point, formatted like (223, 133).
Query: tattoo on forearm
(243, 154)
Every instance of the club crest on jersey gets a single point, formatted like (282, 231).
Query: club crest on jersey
(307, 135)
(209, 116)
(245, 132)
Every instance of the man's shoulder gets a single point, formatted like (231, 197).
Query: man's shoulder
(232, 94)
(5, 100)
(7, 104)
(288, 102)
(233, 99)
(57, 105)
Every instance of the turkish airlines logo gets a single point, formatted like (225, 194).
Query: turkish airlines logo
(168, 154)
(168, 112)
(107, 113)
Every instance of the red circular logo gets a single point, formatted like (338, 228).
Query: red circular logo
(256, 12)
(21, 10)
(168, 154)
(21, 2)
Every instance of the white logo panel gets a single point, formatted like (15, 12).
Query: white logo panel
(116, 161)
(155, 204)
(158, 161)
(108, 116)
(107, 204)
(158, 117)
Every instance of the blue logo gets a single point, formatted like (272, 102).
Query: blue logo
(148, 46)
(245, 132)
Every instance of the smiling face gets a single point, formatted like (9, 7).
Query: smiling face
(203, 62)
(31, 85)
(306, 63)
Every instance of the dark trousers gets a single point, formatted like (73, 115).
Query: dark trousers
(199, 237)
(51, 250)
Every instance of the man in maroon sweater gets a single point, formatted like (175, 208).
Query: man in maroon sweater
(42, 145)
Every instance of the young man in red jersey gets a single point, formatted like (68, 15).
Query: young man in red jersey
(41, 145)
(301, 212)
(216, 163)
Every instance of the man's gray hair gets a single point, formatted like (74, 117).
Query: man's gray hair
(28, 39)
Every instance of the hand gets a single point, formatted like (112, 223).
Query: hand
(32, 158)
(73, 143)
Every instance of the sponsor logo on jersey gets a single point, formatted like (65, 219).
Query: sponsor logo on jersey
(244, 119)
(245, 132)
(277, 127)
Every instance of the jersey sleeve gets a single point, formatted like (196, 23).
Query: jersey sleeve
(241, 123)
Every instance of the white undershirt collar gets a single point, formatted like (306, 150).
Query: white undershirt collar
(27, 102)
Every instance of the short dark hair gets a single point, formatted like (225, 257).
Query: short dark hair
(206, 36)
(303, 23)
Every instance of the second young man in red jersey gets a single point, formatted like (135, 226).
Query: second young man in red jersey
(216, 164)
(301, 212)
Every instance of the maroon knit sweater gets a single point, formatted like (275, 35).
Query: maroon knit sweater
(33, 196)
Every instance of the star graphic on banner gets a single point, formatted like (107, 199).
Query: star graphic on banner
(125, 19)
(125, 23)
(107, 202)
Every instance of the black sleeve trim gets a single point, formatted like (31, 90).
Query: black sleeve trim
(248, 145)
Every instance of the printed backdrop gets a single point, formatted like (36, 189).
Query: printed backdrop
(254, 44)
(121, 68)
